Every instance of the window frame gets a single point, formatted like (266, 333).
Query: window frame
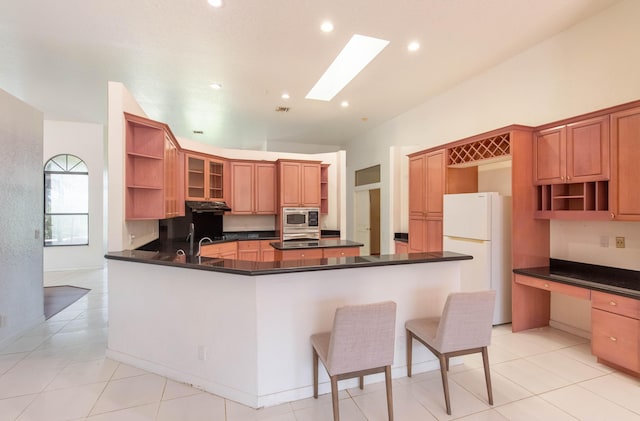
(80, 168)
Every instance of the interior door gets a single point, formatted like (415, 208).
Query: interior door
(374, 221)
(363, 222)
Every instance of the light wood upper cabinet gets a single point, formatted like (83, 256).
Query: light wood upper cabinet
(573, 153)
(299, 183)
(205, 177)
(242, 187)
(253, 186)
(153, 179)
(624, 197)
(265, 188)
(173, 179)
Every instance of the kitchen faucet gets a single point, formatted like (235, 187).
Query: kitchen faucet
(200, 244)
(190, 238)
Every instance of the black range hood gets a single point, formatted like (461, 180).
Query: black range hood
(199, 207)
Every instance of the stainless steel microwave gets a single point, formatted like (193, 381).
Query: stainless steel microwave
(300, 217)
(300, 223)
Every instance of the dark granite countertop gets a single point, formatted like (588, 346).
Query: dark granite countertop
(600, 278)
(243, 267)
(313, 244)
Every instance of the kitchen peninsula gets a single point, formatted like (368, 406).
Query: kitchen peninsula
(240, 329)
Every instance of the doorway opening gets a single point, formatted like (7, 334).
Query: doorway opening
(367, 209)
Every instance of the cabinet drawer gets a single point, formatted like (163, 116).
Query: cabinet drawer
(574, 291)
(615, 338)
(249, 245)
(299, 254)
(341, 252)
(616, 304)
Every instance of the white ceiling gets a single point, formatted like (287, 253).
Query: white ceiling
(58, 56)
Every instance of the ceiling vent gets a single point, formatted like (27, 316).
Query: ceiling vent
(282, 109)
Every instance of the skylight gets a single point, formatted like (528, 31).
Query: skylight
(358, 52)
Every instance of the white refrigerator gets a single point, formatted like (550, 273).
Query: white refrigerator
(479, 224)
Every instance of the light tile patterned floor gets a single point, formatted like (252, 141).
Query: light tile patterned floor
(58, 371)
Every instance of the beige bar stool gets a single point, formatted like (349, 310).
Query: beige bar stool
(464, 328)
(360, 343)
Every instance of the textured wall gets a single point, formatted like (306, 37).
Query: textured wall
(21, 207)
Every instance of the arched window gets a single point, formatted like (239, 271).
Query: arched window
(66, 201)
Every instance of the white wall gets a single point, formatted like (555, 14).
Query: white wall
(22, 207)
(591, 66)
(86, 141)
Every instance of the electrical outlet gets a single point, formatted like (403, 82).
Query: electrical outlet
(3, 321)
(131, 238)
(604, 241)
(37, 234)
(620, 242)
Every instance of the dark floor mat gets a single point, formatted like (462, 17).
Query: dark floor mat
(58, 298)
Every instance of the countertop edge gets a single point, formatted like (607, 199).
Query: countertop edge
(329, 263)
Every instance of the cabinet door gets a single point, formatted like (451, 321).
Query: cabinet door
(265, 188)
(195, 178)
(549, 155)
(267, 252)
(250, 255)
(310, 184)
(417, 234)
(435, 166)
(290, 184)
(401, 247)
(242, 189)
(434, 234)
(417, 185)
(588, 150)
(624, 200)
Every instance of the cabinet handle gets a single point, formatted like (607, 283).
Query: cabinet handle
(613, 303)
(613, 338)
(613, 216)
(546, 285)
(562, 178)
(568, 178)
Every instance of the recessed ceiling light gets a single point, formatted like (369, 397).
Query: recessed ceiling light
(413, 46)
(326, 26)
(215, 3)
(358, 52)
(216, 86)
(344, 104)
(285, 96)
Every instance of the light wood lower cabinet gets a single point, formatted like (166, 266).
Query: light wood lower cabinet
(267, 252)
(402, 247)
(300, 254)
(615, 330)
(249, 250)
(341, 252)
(221, 251)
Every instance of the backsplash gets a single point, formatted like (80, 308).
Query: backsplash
(249, 223)
(595, 242)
